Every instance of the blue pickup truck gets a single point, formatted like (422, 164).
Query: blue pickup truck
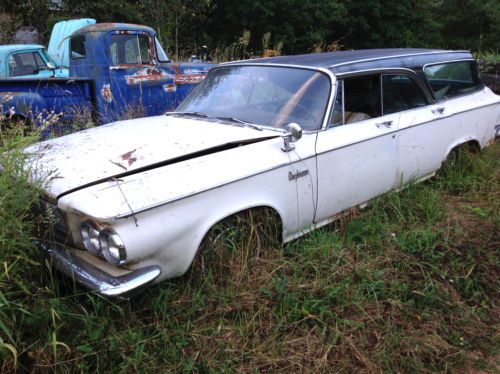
(117, 71)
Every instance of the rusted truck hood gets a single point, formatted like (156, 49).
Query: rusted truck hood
(127, 147)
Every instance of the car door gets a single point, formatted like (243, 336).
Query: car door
(356, 156)
(405, 95)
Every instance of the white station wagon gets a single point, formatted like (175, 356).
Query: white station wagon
(305, 136)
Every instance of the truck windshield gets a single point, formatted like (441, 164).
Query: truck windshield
(263, 95)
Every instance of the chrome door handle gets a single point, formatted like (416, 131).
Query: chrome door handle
(439, 110)
(387, 124)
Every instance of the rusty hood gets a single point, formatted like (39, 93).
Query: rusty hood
(127, 147)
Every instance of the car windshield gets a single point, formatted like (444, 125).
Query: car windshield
(262, 95)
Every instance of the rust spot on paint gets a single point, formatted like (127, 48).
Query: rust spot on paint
(128, 157)
(188, 78)
(106, 93)
(147, 75)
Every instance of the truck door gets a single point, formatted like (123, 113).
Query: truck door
(138, 85)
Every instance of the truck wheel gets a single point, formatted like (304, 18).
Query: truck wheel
(232, 246)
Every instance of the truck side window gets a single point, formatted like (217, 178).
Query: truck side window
(24, 64)
(78, 47)
(129, 49)
(452, 79)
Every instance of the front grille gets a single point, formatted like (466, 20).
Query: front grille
(51, 223)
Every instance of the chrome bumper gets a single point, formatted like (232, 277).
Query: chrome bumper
(95, 278)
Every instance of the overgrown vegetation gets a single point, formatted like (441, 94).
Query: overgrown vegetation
(408, 284)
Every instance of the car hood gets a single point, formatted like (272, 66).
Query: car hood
(127, 147)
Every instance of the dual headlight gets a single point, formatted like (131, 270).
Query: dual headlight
(103, 243)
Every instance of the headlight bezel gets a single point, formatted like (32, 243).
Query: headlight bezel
(104, 243)
(114, 253)
(91, 243)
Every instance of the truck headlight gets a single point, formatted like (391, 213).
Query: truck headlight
(90, 238)
(112, 247)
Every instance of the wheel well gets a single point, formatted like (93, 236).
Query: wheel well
(233, 242)
(263, 217)
(472, 146)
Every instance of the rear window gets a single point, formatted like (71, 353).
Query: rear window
(78, 47)
(452, 79)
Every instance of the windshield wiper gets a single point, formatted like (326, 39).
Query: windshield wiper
(241, 122)
(196, 114)
(221, 118)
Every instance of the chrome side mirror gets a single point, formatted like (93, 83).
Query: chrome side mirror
(293, 133)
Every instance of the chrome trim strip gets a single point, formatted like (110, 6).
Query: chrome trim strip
(96, 279)
(396, 56)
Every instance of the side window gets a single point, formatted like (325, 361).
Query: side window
(131, 49)
(22, 64)
(400, 92)
(362, 98)
(453, 78)
(78, 47)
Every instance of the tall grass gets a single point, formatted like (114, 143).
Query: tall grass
(409, 284)
(17, 195)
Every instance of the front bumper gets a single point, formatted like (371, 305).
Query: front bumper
(96, 279)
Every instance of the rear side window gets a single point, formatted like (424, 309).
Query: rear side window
(78, 47)
(371, 96)
(452, 79)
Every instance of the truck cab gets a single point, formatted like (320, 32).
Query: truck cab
(116, 71)
(27, 61)
(132, 74)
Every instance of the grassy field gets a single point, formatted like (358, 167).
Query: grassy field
(410, 283)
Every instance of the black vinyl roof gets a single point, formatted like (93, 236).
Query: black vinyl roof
(351, 61)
